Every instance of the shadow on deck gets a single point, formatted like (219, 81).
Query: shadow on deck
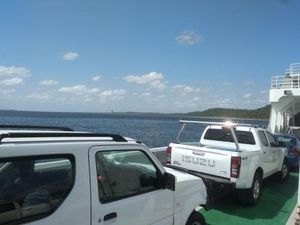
(276, 204)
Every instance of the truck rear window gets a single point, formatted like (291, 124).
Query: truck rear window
(243, 137)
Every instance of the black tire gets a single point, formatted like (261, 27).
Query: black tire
(284, 172)
(251, 196)
(196, 218)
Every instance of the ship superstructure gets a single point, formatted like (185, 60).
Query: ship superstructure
(285, 100)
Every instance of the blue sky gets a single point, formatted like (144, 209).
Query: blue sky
(147, 56)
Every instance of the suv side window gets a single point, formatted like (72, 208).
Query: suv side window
(125, 173)
(272, 140)
(34, 187)
(263, 138)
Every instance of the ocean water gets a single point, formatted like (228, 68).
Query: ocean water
(154, 131)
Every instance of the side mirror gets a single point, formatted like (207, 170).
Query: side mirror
(169, 181)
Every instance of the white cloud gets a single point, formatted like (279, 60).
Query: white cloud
(14, 71)
(226, 84)
(69, 56)
(12, 81)
(116, 94)
(96, 78)
(153, 80)
(195, 99)
(189, 38)
(248, 95)
(248, 83)
(184, 89)
(7, 92)
(79, 90)
(73, 89)
(264, 92)
(39, 96)
(88, 100)
(109, 93)
(48, 82)
(146, 94)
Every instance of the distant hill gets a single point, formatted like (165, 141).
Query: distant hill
(260, 113)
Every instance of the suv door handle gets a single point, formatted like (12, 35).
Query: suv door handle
(110, 216)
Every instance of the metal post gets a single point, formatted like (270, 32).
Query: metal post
(183, 126)
(235, 139)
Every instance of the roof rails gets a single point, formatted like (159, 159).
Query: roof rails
(115, 137)
(35, 127)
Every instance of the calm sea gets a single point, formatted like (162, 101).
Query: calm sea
(154, 131)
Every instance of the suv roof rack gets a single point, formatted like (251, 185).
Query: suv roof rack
(115, 137)
(35, 127)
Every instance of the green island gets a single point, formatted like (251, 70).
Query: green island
(260, 113)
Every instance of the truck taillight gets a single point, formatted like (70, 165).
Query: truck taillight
(294, 152)
(235, 167)
(169, 153)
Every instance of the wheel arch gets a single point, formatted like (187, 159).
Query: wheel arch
(183, 213)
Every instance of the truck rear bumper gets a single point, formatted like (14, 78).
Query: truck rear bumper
(214, 184)
(217, 179)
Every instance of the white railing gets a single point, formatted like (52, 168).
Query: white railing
(294, 69)
(289, 81)
(285, 82)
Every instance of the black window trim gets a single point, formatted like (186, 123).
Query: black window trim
(40, 216)
(252, 137)
(158, 171)
(268, 133)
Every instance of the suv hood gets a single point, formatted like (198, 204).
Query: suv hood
(188, 185)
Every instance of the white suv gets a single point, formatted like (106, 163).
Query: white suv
(62, 177)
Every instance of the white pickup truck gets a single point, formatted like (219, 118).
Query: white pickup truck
(240, 156)
(59, 177)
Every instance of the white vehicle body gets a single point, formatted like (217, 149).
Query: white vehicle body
(229, 162)
(167, 204)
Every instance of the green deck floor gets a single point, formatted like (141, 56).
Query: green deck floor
(276, 204)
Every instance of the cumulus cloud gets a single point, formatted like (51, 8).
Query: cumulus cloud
(39, 96)
(48, 82)
(146, 94)
(153, 80)
(184, 89)
(116, 94)
(69, 56)
(12, 81)
(248, 95)
(110, 93)
(195, 99)
(96, 78)
(7, 93)
(188, 38)
(79, 90)
(14, 71)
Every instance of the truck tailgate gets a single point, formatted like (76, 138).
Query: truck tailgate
(208, 160)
